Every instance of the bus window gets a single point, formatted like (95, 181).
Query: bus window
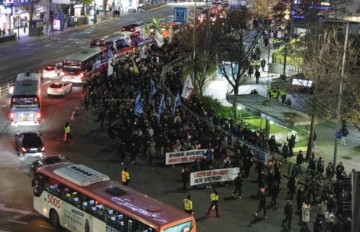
(129, 225)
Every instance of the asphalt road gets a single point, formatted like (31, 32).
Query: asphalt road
(91, 146)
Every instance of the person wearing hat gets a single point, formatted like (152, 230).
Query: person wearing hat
(188, 206)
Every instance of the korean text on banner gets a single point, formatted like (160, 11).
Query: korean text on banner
(180, 157)
(212, 176)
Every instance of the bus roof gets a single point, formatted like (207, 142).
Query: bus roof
(81, 175)
(114, 36)
(119, 197)
(84, 54)
(26, 84)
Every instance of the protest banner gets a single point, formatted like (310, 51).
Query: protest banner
(180, 157)
(215, 175)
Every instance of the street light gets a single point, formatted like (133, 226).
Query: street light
(9, 11)
(286, 39)
(18, 19)
(338, 111)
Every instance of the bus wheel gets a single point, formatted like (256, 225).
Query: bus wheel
(54, 218)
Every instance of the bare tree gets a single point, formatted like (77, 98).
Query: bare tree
(234, 55)
(323, 65)
(204, 43)
(30, 7)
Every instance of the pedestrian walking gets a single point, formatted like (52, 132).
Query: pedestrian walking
(263, 63)
(285, 150)
(274, 193)
(86, 103)
(125, 177)
(305, 214)
(262, 204)
(257, 76)
(288, 211)
(122, 150)
(214, 199)
(185, 177)
(188, 205)
(238, 181)
(67, 135)
(291, 144)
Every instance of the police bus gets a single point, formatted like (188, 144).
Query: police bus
(26, 100)
(79, 198)
(83, 63)
(118, 43)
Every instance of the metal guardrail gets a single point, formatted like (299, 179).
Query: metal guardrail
(4, 88)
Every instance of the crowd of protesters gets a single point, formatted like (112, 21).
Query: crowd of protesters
(152, 133)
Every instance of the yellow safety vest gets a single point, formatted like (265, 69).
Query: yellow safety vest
(214, 197)
(67, 129)
(124, 176)
(187, 204)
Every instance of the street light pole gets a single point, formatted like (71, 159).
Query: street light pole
(18, 19)
(194, 41)
(338, 111)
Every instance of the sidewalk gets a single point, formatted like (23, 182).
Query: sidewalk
(349, 155)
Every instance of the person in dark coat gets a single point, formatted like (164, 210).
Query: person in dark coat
(300, 159)
(272, 144)
(291, 144)
(238, 181)
(262, 204)
(285, 150)
(320, 166)
(288, 211)
(291, 184)
(257, 76)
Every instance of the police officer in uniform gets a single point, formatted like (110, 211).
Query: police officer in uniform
(188, 207)
(214, 197)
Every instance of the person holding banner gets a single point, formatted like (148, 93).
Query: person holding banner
(214, 197)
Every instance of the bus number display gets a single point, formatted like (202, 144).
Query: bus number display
(53, 201)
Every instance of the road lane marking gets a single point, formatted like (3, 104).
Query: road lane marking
(45, 227)
(19, 222)
(6, 208)
(3, 67)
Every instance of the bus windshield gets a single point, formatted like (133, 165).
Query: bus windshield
(183, 227)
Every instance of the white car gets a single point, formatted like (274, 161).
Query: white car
(59, 88)
(52, 71)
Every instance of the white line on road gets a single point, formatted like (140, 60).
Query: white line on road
(19, 222)
(3, 67)
(45, 227)
(6, 208)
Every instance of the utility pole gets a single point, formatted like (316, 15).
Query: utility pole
(194, 46)
(338, 111)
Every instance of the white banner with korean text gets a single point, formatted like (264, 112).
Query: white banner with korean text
(215, 175)
(180, 157)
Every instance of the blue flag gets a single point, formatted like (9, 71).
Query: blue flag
(161, 108)
(138, 107)
(177, 103)
(152, 90)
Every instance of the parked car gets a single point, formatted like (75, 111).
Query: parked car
(52, 71)
(29, 144)
(45, 161)
(59, 88)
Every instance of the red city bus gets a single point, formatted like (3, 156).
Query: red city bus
(79, 198)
